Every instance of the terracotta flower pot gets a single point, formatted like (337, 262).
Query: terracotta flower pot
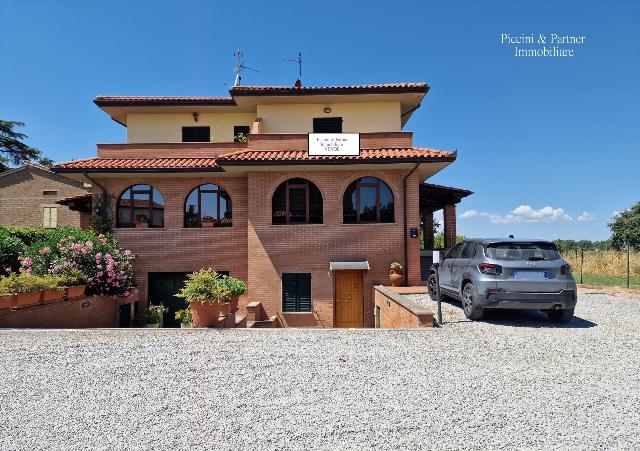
(395, 278)
(52, 295)
(7, 301)
(205, 314)
(75, 291)
(234, 303)
(142, 225)
(225, 309)
(28, 298)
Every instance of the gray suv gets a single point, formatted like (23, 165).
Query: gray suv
(506, 273)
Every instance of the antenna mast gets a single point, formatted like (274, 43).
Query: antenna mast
(299, 61)
(240, 67)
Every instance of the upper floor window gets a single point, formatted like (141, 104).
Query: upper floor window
(50, 220)
(240, 133)
(208, 205)
(327, 125)
(367, 200)
(140, 204)
(196, 134)
(297, 201)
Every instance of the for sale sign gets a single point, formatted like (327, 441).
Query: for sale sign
(334, 144)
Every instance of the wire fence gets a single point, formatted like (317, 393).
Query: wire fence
(607, 268)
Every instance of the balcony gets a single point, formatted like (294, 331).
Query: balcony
(260, 141)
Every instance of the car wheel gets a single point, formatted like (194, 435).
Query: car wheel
(431, 286)
(560, 316)
(469, 305)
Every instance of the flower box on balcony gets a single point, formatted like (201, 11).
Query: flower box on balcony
(27, 298)
(7, 301)
(52, 295)
(75, 291)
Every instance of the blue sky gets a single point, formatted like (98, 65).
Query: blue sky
(540, 140)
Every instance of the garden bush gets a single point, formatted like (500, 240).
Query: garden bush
(73, 255)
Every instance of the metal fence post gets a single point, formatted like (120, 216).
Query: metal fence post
(581, 263)
(628, 264)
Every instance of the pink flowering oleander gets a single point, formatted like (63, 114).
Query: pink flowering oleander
(45, 250)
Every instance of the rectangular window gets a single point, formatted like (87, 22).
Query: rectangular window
(50, 220)
(50, 192)
(296, 292)
(240, 131)
(327, 125)
(196, 134)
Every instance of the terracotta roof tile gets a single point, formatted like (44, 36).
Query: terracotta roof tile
(111, 164)
(404, 153)
(345, 89)
(161, 100)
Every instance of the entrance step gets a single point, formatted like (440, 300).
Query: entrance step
(226, 321)
(241, 321)
(264, 324)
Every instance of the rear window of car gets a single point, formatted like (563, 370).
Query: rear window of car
(522, 251)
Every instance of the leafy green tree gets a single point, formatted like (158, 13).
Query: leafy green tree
(625, 227)
(14, 152)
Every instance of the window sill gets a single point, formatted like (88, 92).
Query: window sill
(297, 225)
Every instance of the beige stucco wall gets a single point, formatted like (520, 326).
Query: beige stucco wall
(357, 117)
(152, 128)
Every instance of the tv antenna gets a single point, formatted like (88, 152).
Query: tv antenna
(240, 67)
(299, 61)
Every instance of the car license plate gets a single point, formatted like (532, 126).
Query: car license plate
(531, 275)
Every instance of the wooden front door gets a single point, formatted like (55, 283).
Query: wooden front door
(349, 306)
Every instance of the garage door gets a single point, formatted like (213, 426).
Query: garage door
(162, 289)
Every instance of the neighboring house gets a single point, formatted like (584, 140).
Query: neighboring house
(30, 195)
(311, 235)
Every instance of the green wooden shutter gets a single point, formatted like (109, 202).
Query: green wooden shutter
(296, 292)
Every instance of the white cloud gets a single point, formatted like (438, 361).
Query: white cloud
(526, 214)
(586, 217)
(469, 214)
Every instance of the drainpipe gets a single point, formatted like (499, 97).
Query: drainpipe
(404, 206)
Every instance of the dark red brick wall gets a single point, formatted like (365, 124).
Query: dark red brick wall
(82, 312)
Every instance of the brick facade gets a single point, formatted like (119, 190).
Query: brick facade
(22, 198)
(258, 252)
(82, 312)
(397, 312)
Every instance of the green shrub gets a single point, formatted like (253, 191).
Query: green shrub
(235, 286)
(184, 316)
(154, 313)
(10, 249)
(203, 286)
(23, 283)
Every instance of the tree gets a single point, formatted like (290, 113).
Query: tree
(13, 151)
(625, 228)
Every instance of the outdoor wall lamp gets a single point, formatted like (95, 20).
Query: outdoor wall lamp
(413, 231)
(195, 117)
(327, 110)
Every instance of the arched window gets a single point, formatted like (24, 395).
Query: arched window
(367, 200)
(297, 201)
(208, 206)
(139, 205)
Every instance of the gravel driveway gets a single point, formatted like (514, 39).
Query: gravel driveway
(513, 381)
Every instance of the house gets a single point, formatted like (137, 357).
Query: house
(34, 196)
(229, 183)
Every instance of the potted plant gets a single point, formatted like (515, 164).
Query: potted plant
(236, 287)
(7, 293)
(207, 221)
(184, 316)
(395, 274)
(141, 222)
(205, 292)
(54, 289)
(75, 282)
(28, 288)
(153, 316)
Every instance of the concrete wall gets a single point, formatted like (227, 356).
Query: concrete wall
(158, 128)
(357, 117)
(22, 200)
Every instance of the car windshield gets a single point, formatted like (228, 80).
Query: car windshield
(522, 251)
